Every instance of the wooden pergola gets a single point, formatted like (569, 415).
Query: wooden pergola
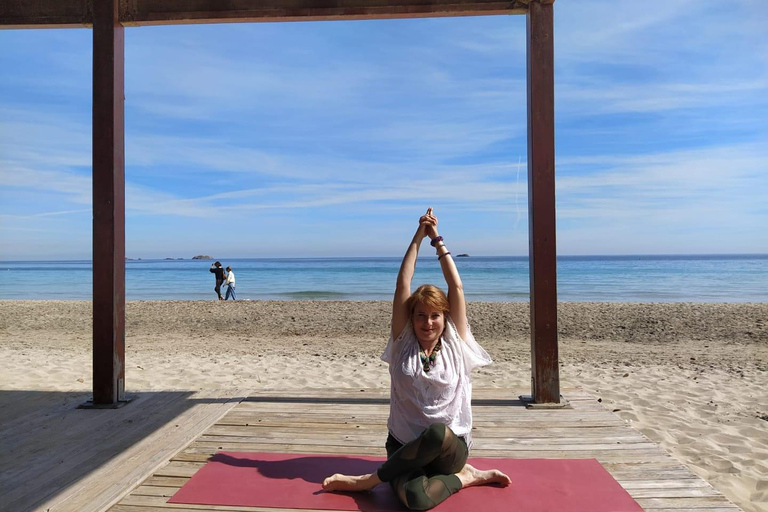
(108, 19)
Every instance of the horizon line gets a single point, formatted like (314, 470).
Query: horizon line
(628, 255)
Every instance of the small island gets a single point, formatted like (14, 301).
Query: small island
(201, 257)
(465, 255)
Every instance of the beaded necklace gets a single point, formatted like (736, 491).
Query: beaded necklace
(428, 361)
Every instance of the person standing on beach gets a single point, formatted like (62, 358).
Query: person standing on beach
(218, 270)
(230, 282)
(431, 353)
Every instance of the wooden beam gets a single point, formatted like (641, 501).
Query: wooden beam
(541, 202)
(79, 13)
(108, 205)
(46, 13)
(150, 12)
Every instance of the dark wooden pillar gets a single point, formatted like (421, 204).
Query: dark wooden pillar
(108, 206)
(541, 202)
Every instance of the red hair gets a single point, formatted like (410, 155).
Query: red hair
(429, 295)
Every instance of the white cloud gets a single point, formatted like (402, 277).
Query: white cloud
(660, 108)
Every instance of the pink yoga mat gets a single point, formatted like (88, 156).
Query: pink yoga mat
(281, 480)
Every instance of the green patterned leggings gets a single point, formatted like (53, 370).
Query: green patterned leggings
(423, 471)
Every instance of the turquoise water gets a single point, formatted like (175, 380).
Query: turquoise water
(737, 278)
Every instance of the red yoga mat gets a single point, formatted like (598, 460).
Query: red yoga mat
(281, 480)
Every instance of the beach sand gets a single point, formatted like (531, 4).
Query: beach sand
(691, 377)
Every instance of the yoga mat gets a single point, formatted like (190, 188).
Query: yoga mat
(281, 480)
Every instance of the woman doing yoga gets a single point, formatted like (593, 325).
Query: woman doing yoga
(430, 353)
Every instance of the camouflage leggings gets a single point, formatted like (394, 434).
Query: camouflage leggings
(423, 471)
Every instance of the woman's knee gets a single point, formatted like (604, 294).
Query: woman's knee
(416, 497)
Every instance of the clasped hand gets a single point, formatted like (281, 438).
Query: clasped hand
(428, 224)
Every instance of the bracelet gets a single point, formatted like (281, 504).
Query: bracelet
(444, 254)
(435, 240)
(439, 245)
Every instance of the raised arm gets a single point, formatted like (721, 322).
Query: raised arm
(456, 301)
(400, 313)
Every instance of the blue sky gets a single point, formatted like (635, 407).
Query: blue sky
(331, 138)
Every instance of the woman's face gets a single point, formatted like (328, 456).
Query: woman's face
(428, 324)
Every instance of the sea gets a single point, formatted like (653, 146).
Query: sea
(678, 278)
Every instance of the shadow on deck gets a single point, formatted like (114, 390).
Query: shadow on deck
(56, 456)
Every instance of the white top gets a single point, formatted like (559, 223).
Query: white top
(443, 395)
(230, 278)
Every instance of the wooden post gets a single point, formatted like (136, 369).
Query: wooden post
(108, 206)
(542, 253)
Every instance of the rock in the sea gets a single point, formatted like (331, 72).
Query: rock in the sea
(201, 257)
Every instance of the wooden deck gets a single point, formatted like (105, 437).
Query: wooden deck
(354, 422)
(55, 457)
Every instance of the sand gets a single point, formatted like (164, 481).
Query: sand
(691, 377)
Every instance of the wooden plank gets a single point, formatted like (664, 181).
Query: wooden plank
(166, 481)
(665, 484)
(575, 394)
(377, 411)
(145, 503)
(679, 492)
(628, 473)
(644, 469)
(167, 486)
(108, 205)
(646, 503)
(342, 439)
(601, 455)
(542, 252)
(530, 435)
(704, 503)
(572, 394)
(335, 405)
(324, 420)
(732, 508)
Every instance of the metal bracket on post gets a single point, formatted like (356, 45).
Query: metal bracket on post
(530, 404)
(114, 405)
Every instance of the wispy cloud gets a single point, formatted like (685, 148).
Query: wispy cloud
(317, 131)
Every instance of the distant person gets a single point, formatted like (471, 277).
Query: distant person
(230, 282)
(218, 270)
(431, 353)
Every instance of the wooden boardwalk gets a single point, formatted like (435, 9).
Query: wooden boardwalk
(354, 422)
(58, 458)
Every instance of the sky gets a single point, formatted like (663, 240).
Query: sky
(332, 138)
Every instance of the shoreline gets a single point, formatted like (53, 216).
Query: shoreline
(690, 376)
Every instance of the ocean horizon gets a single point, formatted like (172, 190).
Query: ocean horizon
(619, 278)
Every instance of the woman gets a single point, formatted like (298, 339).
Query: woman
(230, 282)
(431, 353)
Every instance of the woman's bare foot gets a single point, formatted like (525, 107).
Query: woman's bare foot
(470, 476)
(339, 482)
